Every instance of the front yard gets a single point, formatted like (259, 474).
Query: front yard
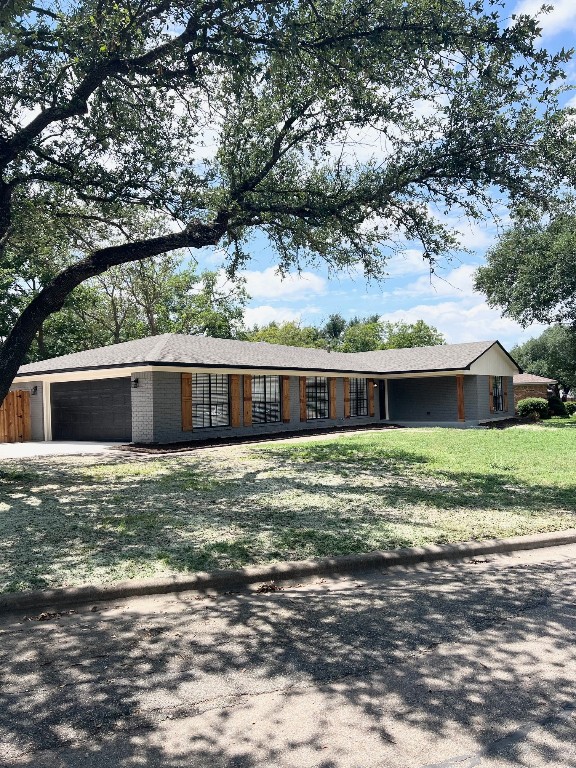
(78, 520)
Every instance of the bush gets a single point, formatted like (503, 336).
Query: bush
(537, 406)
(570, 408)
(556, 406)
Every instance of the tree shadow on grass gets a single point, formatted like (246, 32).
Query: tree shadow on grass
(84, 524)
(453, 652)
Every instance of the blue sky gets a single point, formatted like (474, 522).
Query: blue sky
(447, 302)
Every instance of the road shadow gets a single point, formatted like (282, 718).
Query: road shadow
(251, 680)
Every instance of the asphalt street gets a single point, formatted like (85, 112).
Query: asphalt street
(458, 665)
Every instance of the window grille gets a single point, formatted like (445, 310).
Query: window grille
(498, 393)
(210, 401)
(316, 397)
(266, 407)
(358, 397)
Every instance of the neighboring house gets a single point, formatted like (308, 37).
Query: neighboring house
(176, 388)
(530, 385)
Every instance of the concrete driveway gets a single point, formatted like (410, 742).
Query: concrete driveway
(463, 665)
(53, 448)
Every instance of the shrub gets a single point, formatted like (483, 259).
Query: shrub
(556, 406)
(570, 408)
(533, 406)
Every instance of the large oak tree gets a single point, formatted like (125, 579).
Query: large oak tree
(215, 117)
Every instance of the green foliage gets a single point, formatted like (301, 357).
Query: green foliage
(419, 334)
(356, 335)
(290, 333)
(530, 273)
(570, 408)
(552, 354)
(556, 406)
(533, 405)
(142, 128)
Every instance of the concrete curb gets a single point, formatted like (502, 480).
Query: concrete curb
(227, 580)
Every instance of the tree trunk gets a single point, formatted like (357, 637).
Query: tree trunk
(52, 297)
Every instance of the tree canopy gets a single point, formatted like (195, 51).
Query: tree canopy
(355, 335)
(531, 273)
(552, 354)
(205, 119)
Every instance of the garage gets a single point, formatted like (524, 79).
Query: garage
(99, 409)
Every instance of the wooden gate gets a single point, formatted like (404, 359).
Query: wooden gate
(15, 422)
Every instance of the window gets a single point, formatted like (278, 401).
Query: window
(497, 393)
(358, 397)
(265, 399)
(210, 403)
(316, 397)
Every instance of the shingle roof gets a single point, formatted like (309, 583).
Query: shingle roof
(203, 351)
(531, 378)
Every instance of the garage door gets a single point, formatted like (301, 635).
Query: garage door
(92, 410)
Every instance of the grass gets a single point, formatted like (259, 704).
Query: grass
(90, 519)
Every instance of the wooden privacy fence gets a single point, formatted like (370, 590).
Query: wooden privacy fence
(15, 422)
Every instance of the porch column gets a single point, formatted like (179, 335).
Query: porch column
(460, 397)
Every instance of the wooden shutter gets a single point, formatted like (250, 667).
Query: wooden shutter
(346, 398)
(370, 392)
(235, 420)
(247, 382)
(505, 386)
(491, 393)
(332, 398)
(302, 398)
(460, 397)
(186, 401)
(285, 383)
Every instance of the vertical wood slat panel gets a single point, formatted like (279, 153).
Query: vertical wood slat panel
(491, 393)
(11, 413)
(505, 380)
(332, 398)
(26, 416)
(247, 382)
(370, 389)
(235, 410)
(15, 417)
(460, 397)
(186, 401)
(285, 399)
(303, 398)
(346, 397)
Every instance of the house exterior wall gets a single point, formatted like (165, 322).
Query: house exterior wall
(36, 407)
(434, 399)
(157, 415)
(484, 413)
(522, 391)
(423, 399)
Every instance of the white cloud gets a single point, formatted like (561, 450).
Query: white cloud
(561, 18)
(456, 282)
(466, 320)
(265, 314)
(408, 262)
(268, 284)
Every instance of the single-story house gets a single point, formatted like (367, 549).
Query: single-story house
(530, 385)
(176, 387)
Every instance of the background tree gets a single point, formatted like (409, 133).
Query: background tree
(290, 333)
(355, 335)
(552, 354)
(531, 273)
(401, 335)
(108, 106)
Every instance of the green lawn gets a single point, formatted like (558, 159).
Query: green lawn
(77, 520)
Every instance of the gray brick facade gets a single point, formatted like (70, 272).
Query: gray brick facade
(157, 417)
